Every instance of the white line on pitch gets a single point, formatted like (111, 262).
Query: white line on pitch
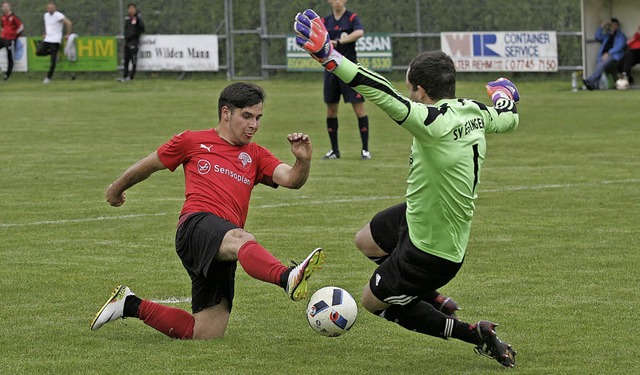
(560, 186)
(326, 201)
(172, 300)
(85, 220)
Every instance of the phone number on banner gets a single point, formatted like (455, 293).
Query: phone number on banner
(506, 64)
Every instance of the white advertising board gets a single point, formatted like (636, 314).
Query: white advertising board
(185, 53)
(510, 51)
(19, 56)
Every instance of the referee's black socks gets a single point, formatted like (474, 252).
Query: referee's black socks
(421, 317)
(332, 129)
(363, 125)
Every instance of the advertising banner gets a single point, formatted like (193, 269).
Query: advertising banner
(94, 54)
(373, 49)
(19, 56)
(511, 51)
(183, 53)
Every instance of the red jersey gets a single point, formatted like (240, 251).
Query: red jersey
(11, 27)
(634, 43)
(219, 177)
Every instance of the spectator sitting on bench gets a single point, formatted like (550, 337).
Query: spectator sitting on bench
(611, 51)
(631, 56)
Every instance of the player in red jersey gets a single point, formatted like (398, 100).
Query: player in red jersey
(221, 167)
(11, 29)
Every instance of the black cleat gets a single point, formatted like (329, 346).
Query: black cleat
(332, 154)
(446, 305)
(491, 346)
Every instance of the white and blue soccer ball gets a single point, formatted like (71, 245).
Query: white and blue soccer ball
(331, 311)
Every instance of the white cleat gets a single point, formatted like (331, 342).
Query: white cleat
(297, 287)
(113, 309)
(46, 81)
(365, 155)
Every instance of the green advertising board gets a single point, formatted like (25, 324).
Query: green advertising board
(374, 52)
(94, 54)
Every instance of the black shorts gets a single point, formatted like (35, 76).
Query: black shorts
(46, 48)
(409, 273)
(334, 88)
(7, 43)
(198, 240)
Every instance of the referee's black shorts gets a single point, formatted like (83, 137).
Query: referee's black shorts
(409, 273)
(198, 240)
(334, 88)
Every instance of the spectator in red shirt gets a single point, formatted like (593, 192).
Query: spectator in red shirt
(631, 56)
(11, 29)
(221, 167)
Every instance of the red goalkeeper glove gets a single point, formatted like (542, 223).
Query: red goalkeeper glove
(313, 37)
(502, 88)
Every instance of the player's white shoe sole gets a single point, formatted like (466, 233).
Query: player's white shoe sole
(113, 309)
(297, 287)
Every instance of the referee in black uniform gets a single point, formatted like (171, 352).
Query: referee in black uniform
(133, 28)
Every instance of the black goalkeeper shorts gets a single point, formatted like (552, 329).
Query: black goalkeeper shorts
(198, 240)
(409, 273)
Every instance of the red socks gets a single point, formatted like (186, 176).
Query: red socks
(178, 324)
(173, 322)
(260, 264)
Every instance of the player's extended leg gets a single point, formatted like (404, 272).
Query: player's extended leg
(396, 289)
(380, 237)
(123, 303)
(422, 317)
(260, 264)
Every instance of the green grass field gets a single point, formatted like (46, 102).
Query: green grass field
(553, 256)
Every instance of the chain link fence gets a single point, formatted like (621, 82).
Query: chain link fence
(253, 32)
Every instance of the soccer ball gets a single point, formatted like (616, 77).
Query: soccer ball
(622, 83)
(331, 311)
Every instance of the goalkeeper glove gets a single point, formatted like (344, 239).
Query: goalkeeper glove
(502, 88)
(314, 38)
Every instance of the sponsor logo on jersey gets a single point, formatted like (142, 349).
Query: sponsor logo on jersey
(204, 166)
(245, 160)
(228, 172)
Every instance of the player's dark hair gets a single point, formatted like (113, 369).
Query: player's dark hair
(132, 5)
(435, 73)
(240, 95)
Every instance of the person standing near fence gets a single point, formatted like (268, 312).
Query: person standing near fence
(344, 29)
(54, 23)
(11, 29)
(133, 28)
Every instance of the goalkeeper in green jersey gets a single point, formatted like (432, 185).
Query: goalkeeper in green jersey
(420, 245)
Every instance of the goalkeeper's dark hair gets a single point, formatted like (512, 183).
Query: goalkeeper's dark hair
(240, 95)
(435, 72)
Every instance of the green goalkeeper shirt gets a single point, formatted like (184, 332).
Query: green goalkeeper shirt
(447, 154)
